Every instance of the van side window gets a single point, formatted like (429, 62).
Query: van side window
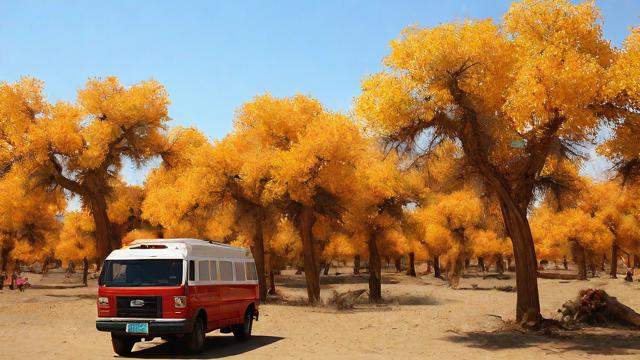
(203, 270)
(226, 271)
(240, 272)
(251, 271)
(192, 270)
(213, 265)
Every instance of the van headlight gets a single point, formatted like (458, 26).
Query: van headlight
(180, 301)
(103, 301)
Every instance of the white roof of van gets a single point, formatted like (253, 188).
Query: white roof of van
(178, 249)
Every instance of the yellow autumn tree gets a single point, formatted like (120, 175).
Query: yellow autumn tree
(77, 239)
(446, 225)
(616, 206)
(572, 231)
(507, 92)
(81, 146)
(28, 224)
(375, 213)
(285, 156)
(621, 108)
(200, 190)
(315, 174)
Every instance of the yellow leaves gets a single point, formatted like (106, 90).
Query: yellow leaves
(540, 23)
(64, 133)
(416, 86)
(561, 63)
(340, 247)
(125, 201)
(138, 234)
(547, 60)
(76, 237)
(623, 88)
(487, 243)
(21, 105)
(24, 251)
(554, 232)
(276, 122)
(27, 210)
(325, 156)
(286, 240)
(625, 70)
(388, 103)
(145, 102)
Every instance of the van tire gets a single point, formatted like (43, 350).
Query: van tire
(242, 332)
(194, 341)
(122, 345)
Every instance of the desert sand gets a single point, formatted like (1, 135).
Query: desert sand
(422, 319)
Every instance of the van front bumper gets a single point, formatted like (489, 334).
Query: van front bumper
(156, 326)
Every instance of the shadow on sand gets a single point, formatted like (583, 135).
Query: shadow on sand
(607, 343)
(215, 347)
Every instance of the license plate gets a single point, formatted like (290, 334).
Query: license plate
(138, 328)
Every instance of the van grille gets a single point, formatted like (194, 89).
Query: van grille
(151, 308)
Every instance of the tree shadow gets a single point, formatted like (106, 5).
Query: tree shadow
(74, 296)
(299, 281)
(611, 342)
(215, 347)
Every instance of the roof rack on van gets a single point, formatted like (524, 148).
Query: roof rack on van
(148, 246)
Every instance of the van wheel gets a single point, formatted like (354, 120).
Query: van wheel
(194, 341)
(122, 345)
(242, 332)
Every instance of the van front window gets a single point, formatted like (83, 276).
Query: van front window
(129, 273)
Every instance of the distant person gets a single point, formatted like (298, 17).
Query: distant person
(3, 277)
(14, 276)
(629, 276)
(22, 283)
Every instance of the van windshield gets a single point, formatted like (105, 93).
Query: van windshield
(129, 273)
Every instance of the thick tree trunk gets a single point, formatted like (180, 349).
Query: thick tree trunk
(356, 265)
(614, 261)
(517, 225)
(311, 273)
(592, 267)
(480, 263)
(436, 267)
(327, 267)
(411, 271)
(375, 270)
(258, 256)
(85, 271)
(45, 265)
(397, 262)
(499, 264)
(272, 282)
(455, 268)
(4, 255)
(103, 233)
(579, 256)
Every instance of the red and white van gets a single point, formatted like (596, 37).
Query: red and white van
(177, 289)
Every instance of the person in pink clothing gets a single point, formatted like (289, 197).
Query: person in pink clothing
(22, 283)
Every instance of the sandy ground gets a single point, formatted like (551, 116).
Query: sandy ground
(423, 319)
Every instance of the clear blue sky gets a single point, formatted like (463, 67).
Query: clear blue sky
(212, 56)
